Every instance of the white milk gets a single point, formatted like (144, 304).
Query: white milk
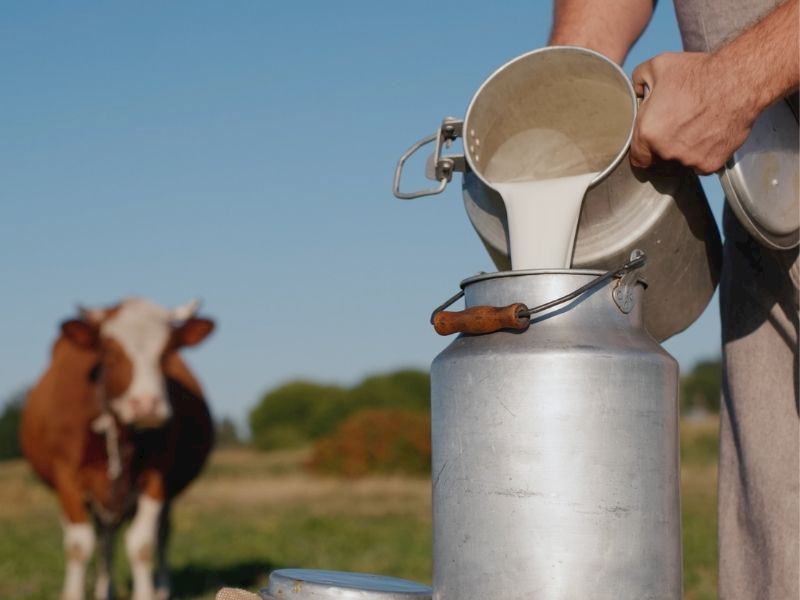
(543, 219)
(542, 177)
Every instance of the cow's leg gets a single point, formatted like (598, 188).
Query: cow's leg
(78, 546)
(140, 543)
(104, 584)
(79, 535)
(162, 572)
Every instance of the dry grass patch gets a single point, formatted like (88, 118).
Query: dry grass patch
(375, 497)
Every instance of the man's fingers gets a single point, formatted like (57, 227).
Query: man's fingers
(643, 84)
(643, 79)
(641, 153)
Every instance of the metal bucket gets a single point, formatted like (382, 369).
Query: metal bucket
(555, 446)
(576, 94)
(313, 584)
(666, 214)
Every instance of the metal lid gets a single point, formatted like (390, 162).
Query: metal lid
(762, 180)
(312, 584)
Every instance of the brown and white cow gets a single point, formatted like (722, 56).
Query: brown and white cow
(118, 426)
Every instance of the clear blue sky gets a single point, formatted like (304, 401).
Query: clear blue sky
(242, 152)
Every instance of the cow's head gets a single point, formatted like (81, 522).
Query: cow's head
(133, 340)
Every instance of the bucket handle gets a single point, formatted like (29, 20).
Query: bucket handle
(479, 320)
(444, 166)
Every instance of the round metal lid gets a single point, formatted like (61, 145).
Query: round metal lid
(312, 584)
(762, 179)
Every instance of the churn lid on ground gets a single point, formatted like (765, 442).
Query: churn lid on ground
(312, 584)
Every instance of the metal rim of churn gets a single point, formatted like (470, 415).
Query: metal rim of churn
(479, 320)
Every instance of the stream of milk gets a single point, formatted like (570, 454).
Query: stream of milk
(542, 177)
(543, 219)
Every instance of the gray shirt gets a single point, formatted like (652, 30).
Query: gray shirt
(706, 24)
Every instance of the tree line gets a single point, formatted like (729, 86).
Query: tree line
(332, 417)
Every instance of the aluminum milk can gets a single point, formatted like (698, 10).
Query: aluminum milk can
(555, 443)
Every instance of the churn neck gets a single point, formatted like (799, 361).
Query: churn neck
(617, 301)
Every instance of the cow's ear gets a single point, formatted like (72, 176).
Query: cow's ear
(82, 334)
(192, 331)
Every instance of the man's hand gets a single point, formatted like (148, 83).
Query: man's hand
(693, 112)
(699, 108)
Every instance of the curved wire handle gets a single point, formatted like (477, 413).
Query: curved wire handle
(434, 137)
(443, 166)
(637, 260)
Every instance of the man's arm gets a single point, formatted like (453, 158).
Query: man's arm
(608, 26)
(701, 107)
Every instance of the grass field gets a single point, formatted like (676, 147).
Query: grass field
(251, 513)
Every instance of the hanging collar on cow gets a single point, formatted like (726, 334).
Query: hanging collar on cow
(105, 424)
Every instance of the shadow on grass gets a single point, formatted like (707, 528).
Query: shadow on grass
(199, 579)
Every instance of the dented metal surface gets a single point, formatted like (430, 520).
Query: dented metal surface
(555, 454)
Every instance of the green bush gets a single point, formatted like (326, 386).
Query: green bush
(9, 427)
(296, 413)
(407, 389)
(702, 386)
(300, 412)
(377, 440)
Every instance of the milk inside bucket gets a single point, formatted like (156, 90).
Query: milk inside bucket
(541, 130)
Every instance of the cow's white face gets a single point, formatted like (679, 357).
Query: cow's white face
(133, 340)
(138, 332)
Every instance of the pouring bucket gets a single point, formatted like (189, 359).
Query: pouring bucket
(563, 111)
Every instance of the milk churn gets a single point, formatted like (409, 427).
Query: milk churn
(555, 442)
(555, 468)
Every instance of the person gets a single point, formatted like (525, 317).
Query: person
(698, 108)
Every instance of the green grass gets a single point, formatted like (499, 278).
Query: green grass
(251, 513)
(240, 552)
(698, 505)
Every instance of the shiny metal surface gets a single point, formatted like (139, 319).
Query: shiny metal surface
(313, 584)
(666, 215)
(762, 179)
(555, 452)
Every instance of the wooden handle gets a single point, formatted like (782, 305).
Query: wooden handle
(481, 319)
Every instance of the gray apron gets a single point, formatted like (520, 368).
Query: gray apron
(759, 466)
